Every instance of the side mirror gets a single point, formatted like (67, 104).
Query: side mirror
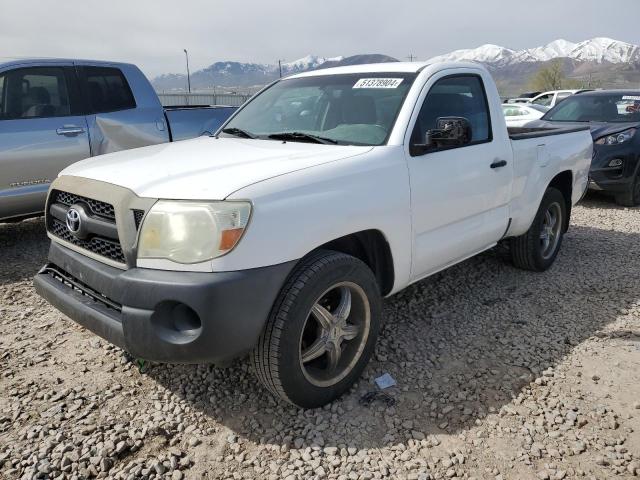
(449, 132)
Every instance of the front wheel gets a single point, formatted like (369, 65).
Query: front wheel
(631, 197)
(537, 249)
(321, 332)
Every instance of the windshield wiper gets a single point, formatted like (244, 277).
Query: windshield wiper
(300, 136)
(238, 132)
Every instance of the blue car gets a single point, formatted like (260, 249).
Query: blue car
(614, 119)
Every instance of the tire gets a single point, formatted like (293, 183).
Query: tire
(631, 197)
(296, 357)
(530, 251)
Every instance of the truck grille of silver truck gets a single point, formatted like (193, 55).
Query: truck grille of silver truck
(108, 248)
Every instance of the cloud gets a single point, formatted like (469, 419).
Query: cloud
(153, 34)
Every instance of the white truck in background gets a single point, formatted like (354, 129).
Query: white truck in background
(280, 235)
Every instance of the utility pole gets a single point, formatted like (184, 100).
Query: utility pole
(280, 67)
(186, 54)
(411, 57)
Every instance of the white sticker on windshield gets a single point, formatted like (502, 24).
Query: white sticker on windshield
(378, 83)
(631, 97)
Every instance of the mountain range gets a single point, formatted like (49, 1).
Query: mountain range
(237, 74)
(598, 50)
(597, 62)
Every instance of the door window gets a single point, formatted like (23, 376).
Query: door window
(455, 96)
(40, 92)
(108, 90)
(544, 100)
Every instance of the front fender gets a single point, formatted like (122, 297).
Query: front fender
(295, 213)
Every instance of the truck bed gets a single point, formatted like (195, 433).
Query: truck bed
(522, 133)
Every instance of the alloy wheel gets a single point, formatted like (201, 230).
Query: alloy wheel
(335, 334)
(551, 230)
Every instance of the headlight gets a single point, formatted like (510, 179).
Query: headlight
(617, 138)
(192, 232)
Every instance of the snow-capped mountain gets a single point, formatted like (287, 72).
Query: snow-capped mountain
(604, 60)
(307, 63)
(599, 50)
(486, 54)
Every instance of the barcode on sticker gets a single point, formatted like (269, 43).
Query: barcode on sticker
(378, 83)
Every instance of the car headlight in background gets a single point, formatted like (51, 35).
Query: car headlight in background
(617, 138)
(192, 232)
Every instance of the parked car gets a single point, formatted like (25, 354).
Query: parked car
(529, 94)
(279, 236)
(552, 98)
(56, 112)
(523, 97)
(519, 115)
(614, 119)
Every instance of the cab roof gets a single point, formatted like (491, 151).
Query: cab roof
(387, 67)
(52, 61)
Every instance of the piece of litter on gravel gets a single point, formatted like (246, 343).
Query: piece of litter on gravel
(143, 365)
(369, 397)
(385, 381)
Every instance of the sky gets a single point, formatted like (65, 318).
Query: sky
(153, 33)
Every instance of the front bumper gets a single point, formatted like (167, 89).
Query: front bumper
(613, 179)
(164, 316)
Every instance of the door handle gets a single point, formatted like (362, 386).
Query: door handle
(69, 130)
(499, 163)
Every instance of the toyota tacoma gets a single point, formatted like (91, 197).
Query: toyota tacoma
(279, 235)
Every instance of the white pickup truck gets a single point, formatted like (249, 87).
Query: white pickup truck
(280, 235)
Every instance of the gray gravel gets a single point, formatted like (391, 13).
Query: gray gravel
(502, 374)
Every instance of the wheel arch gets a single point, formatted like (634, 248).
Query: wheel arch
(372, 247)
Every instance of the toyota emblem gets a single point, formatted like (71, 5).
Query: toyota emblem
(73, 220)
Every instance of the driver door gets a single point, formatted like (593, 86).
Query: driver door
(459, 195)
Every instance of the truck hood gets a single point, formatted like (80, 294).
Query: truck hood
(206, 168)
(598, 129)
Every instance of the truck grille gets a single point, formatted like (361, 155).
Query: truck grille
(102, 209)
(138, 215)
(100, 246)
(109, 248)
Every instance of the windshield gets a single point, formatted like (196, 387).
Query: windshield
(348, 109)
(619, 107)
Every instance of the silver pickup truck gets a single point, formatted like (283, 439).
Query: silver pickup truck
(56, 112)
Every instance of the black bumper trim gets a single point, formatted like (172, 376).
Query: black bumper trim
(232, 307)
(84, 310)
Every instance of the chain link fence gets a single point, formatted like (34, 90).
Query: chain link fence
(186, 99)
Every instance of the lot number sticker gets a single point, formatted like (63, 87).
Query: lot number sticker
(378, 83)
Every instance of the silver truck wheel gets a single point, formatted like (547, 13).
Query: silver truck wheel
(551, 230)
(335, 333)
(321, 331)
(537, 249)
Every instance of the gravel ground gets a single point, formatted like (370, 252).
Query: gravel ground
(502, 374)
